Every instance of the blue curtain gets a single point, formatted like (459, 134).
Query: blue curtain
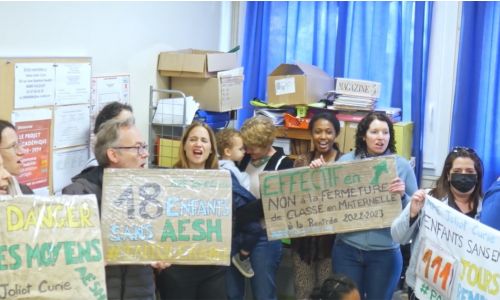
(379, 41)
(476, 110)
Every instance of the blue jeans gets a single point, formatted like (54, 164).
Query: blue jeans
(265, 258)
(375, 272)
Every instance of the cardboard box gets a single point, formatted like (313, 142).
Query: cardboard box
(350, 136)
(291, 84)
(168, 152)
(220, 94)
(340, 139)
(192, 63)
(403, 135)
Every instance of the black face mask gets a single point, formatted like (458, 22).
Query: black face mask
(463, 182)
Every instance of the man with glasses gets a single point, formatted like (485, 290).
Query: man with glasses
(12, 152)
(118, 145)
(112, 111)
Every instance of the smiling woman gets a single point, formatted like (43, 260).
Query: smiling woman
(12, 153)
(311, 256)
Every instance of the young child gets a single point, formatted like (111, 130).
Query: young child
(231, 150)
(245, 236)
(336, 287)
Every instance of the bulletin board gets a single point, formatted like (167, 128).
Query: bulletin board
(33, 86)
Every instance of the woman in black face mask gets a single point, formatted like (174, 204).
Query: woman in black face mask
(460, 186)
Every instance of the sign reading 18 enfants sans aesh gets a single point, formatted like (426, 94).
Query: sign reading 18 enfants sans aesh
(338, 197)
(181, 216)
(50, 248)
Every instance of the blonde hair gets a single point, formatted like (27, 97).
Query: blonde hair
(258, 131)
(212, 161)
(225, 139)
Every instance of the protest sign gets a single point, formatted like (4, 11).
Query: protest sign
(458, 257)
(339, 197)
(51, 248)
(181, 216)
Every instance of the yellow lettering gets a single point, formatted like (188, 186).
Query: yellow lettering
(85, 217)
(72, 222)
(50, 216)
(14, 218)
(30, 220)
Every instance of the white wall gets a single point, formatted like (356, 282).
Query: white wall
(126, 37)
(120, 37)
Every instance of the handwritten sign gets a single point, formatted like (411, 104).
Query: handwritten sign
(459, 257)
(180, 216)
(51, 248)
(340, 197)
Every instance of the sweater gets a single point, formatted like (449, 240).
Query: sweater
(380, 239)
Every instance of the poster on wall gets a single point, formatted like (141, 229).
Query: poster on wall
(72, 83)
(106, 89)
(180, 216)
(34, 84)
(51, 248)
(71, 125)
(33, 130)
(67, 163)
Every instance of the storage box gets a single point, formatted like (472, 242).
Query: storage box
(340, 139)
(215, 120)
(291, 84)
(194, 63)
(403, 135)
(350, 136)
(168, 152)
(223, 93)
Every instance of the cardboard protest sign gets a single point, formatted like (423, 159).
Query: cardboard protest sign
(458, 258)
(339, 197)
(178, 215)
(51, 248)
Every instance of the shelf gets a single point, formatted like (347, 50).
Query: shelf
(293, 133)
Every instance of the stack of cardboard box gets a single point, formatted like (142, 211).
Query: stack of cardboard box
(214, 79)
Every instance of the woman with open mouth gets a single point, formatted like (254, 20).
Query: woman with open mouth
(194, 282)
(12, 152)
(370, 257)
(311, 256)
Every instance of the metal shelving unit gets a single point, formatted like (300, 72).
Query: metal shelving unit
(167, 121)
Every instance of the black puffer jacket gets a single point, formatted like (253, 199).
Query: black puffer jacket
(133, 282)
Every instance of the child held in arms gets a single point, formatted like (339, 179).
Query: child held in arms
(245, 236)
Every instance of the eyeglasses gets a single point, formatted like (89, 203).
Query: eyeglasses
(465, 149)
(141, 149)
(16, 146)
